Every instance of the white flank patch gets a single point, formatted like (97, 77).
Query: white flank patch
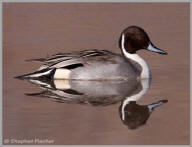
(62, 84)
(145, 86)
(145, 68)
(62, 73)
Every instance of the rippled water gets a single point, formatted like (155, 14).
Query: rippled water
(95, 112)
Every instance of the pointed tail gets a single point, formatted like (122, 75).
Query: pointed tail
(38, 74)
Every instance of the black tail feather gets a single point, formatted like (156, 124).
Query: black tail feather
(40, 74)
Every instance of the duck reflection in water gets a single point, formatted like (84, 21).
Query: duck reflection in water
(102, 93)
(134, 115)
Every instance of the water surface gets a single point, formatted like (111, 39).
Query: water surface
(40, 29)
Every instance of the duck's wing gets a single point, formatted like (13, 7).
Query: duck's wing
(71, 61)
(60, 60)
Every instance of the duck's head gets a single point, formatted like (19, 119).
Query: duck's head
(134, 38)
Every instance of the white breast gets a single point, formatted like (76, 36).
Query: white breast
(145, 68)
(145, 86)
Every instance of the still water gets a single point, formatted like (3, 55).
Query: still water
(84, 112)
(101, 93)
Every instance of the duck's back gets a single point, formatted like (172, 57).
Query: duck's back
(105, 65)
(87, 65)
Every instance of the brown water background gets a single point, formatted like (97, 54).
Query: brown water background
(33, 30)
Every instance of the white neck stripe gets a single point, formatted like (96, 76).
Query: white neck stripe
(145, 68)
(145, 86)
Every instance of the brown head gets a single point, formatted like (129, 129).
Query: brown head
(134, 38)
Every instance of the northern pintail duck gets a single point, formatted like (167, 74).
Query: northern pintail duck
(101, 64)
